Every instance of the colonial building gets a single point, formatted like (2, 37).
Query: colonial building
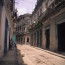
(48, 22)
(36, 26)
(7, 8)
(22, 33)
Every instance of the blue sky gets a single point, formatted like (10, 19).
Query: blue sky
(25, 6)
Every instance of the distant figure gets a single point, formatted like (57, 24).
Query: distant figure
(14, 43)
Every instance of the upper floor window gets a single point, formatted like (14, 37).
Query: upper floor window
(11, 5)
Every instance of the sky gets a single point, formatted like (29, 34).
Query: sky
(25, 6)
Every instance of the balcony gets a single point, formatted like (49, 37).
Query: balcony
(11, 4)
(50, 11)
(14, 16)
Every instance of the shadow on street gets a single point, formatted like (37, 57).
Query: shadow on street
(20, 58)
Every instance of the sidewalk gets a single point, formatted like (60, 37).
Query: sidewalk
(34, 56)
(59, 54)
(10, 58)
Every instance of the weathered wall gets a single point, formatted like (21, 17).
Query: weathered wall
(5, 12)
(2, 31)
(52, 23)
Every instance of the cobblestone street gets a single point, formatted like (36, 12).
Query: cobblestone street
(34, 56)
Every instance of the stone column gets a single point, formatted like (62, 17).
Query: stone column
(36, 38)
(30, 39)
(43, 37)
(33, 39)
(39, 38)
(53, 38)
(0, 27)
(20, 40)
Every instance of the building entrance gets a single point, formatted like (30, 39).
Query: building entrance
(61, 37)
(6, 30)
(47, 38)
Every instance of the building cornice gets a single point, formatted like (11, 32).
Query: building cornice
(39, 3)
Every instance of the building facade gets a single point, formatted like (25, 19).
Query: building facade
(7, 7)
(48, 25)
(22, 33)
(36, 26)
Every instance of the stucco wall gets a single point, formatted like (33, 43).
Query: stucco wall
(2, 31)
(52, 23)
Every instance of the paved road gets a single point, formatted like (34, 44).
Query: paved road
(32, 56)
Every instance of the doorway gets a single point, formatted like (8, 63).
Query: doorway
(47, 38)
(32, 39)
(41, 38)
(28, 40)
(61, 37)
(6, 30)
(38, 39)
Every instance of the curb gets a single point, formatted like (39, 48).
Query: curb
(50, 52)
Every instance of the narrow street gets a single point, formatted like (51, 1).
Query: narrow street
(28, 55)
(34, 56)
(32, 32)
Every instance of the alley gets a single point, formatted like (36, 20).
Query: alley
(34, 56)
(32, 32)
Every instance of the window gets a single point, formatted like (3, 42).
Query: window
(27, 39)
(11, 5)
